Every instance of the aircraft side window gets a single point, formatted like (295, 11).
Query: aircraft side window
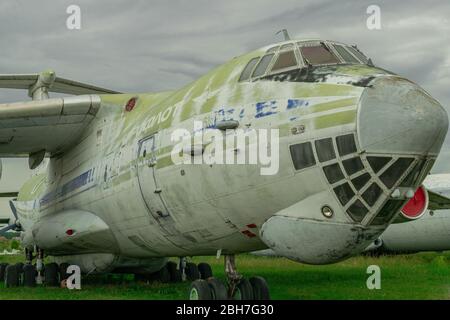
(413, 176)
(372, 194)
(390, 208)
(395, 171)
(333, 173)
(378, 163)
(360, 181)
(325, 150)
(353, 165)
(358, 54)
(345, 54)
(302, 155)
(245, 75)
(262, 65)
(346, 144)
(318, 54)
(285, 60)
(344, 193)
(357, 211)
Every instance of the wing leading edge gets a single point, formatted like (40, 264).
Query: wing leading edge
(51, 125)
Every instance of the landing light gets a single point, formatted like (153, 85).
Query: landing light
(327, 211)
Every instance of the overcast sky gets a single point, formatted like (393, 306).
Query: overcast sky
(142, 45)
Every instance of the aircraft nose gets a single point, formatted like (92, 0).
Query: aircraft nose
(397, 116)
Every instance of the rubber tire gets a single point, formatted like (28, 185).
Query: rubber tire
(63, 275)
(218, 290)
(29, 275)
(243, 290)
(20, 266)
(175, 273)
(205, 270)
(2, 271)
(51, 274)
(192, 272)
(260, 288)
(11, 276)
(202, 290)
(163, 275)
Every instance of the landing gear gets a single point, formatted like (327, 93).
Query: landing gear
(239, 288)
(174, 272)
(11, 276)
(29, 275)
(218, 289)
(200, 290)
(205, 270)
(260, 288)
(2, 271)
(192, 272)
(51, 274)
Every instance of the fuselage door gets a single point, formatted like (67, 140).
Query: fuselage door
(146, 172)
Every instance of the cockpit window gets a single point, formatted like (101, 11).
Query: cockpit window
(318, 54)
(248, 69)
(345, 54)
(262, 65)
(289, 46)
(358, 54)
(285, 60)
(273, 49)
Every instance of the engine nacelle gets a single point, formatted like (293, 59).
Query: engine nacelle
(416, 207)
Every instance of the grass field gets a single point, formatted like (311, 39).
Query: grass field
(419, 276)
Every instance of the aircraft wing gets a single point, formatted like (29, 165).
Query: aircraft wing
(437, 201)
(49, 125)
(55, 84)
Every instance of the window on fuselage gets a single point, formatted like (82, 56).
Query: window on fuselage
(345, 54)
(358, 54)
(248, 69)
(285, 60)
(318, 54)
(302, 155)
(262, 65)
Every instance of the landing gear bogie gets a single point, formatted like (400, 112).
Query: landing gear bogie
(238, 287)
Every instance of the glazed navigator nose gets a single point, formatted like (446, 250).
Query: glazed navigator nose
(395, 116)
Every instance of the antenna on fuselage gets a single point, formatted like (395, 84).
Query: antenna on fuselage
(285, 34)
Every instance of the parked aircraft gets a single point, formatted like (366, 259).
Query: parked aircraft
(354, 143)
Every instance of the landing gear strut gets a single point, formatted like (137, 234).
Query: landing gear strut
(239, 287)
(40, 266)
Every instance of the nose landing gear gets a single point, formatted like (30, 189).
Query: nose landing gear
(239, 288)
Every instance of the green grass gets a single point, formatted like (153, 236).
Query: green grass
(420, 276)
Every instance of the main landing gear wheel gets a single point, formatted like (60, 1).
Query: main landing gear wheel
(51, 275)
(205, 270)
(11, 276)
(239, 288)
(218, 289)
(63, 271)
(175, 273)
(29, 275)
(200, 290)
(243, 290)
(2, 271)
(260, 288)
(192, 272)
(162, 275)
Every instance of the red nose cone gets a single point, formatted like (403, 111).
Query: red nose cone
(417, 205)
